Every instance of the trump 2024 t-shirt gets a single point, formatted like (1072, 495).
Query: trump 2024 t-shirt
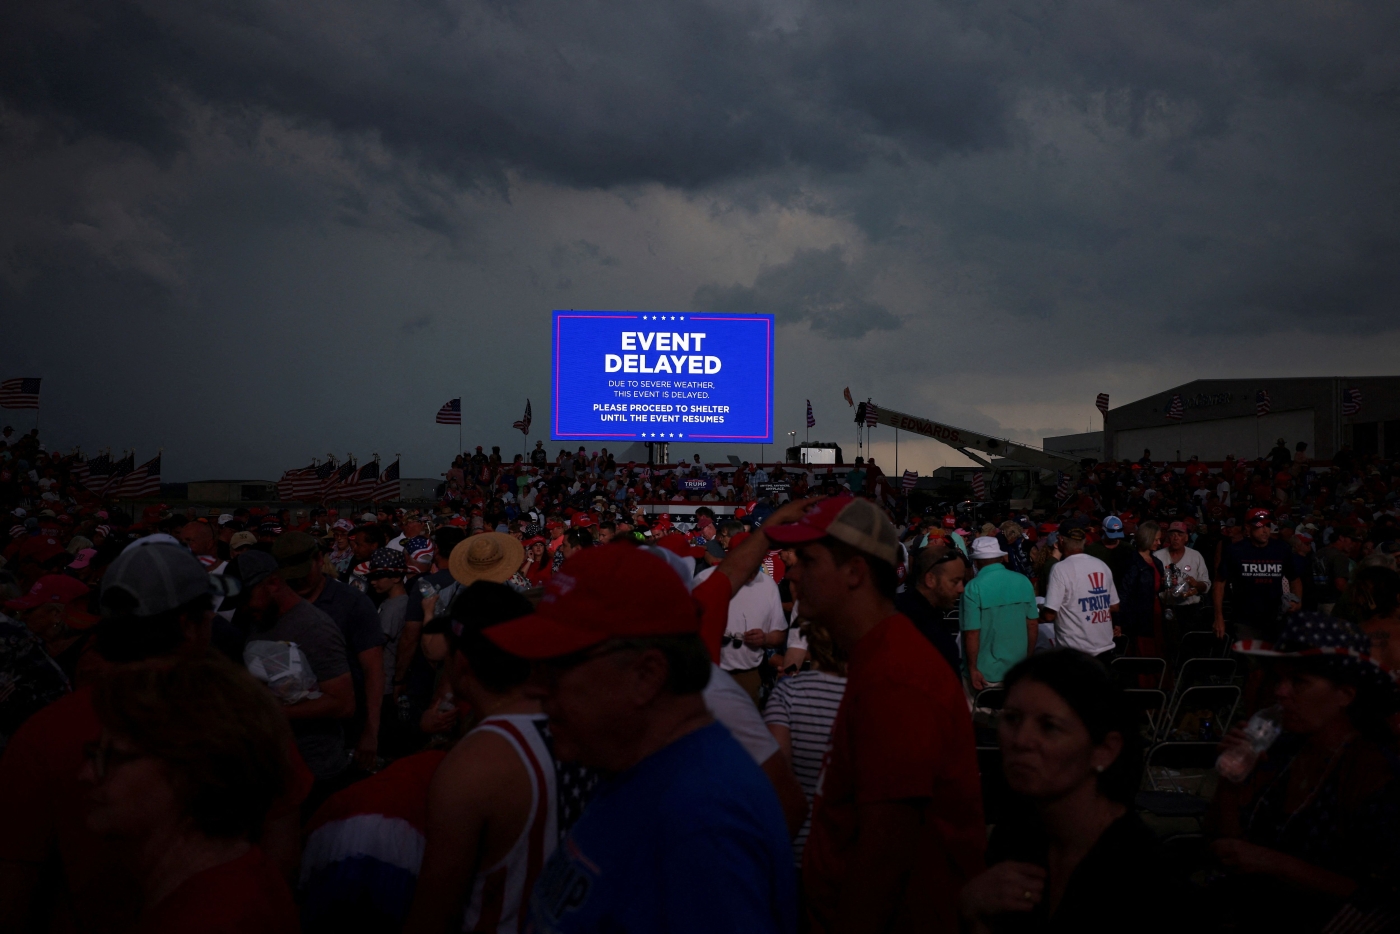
(1080, 591)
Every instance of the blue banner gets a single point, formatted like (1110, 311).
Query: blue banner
(649, 376)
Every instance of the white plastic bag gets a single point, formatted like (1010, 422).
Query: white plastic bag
(283, 668)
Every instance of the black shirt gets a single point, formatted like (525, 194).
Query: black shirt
(1123, 884)
(1116, 557)
(423, 588)
(1257, 577)
(929, 621)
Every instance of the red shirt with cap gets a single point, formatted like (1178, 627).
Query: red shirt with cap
(42, 813)
(903, 733)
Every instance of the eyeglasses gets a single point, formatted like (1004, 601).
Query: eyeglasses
(102, 757)
(730, 638)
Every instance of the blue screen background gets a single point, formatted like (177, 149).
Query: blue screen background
(731, 403)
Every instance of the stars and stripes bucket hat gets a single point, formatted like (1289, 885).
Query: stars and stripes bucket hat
(1311, 634)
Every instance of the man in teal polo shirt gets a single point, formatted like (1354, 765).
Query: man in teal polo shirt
(999, 616)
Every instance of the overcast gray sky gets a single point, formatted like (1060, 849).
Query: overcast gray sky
(257, 232)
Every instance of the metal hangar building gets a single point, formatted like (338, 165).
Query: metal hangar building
(1218, 418)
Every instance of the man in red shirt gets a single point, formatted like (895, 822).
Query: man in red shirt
(897, 823)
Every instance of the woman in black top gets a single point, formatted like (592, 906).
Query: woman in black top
(1073, 856)
(1139, 595)
(1316, 827)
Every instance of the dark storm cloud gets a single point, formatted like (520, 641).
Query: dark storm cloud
(818, 287)
(682, 93)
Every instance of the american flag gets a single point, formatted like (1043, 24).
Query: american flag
(1176, 408)
(523, 425)
(575, 785)
(450, 413)
(22, 393)
(979, 486)
(847, 393)
(361, 486)
(811, 419)
(336, 484)
(287, 486)
(1062, 488)
(910, 478)
(388, 485)
(324, 477)
(79, 471)
(143, 482)
(1261, 403)
(1351, 401)
(872, 414)
(98, 470)
(117, 478)
(1101, 403)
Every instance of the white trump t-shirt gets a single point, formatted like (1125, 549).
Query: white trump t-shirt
(1080, 591)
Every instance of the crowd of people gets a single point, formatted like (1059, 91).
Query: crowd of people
(540, 705)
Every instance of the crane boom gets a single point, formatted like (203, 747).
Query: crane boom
(966, 441)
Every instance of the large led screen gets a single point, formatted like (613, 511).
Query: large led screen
(663, 376)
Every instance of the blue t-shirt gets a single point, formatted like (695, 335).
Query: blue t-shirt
(690, 839)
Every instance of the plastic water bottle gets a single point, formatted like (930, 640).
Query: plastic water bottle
(1263, 728)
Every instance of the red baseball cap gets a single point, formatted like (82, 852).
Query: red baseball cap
(1257, 517)
(599, 594)
(950, 522)
(857, 522)
(51, 588)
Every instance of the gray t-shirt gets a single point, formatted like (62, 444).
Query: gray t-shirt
(321, 742)
(391, 620)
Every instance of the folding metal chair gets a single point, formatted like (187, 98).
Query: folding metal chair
(1220, 700)
(1131, 670)
(1175, 774)
(1198, 672)
(990, 698)
(1200, 643)
(1149, 704)
(1206, 671)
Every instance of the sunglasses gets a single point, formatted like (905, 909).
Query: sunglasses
(730, 639)
(948, 558)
